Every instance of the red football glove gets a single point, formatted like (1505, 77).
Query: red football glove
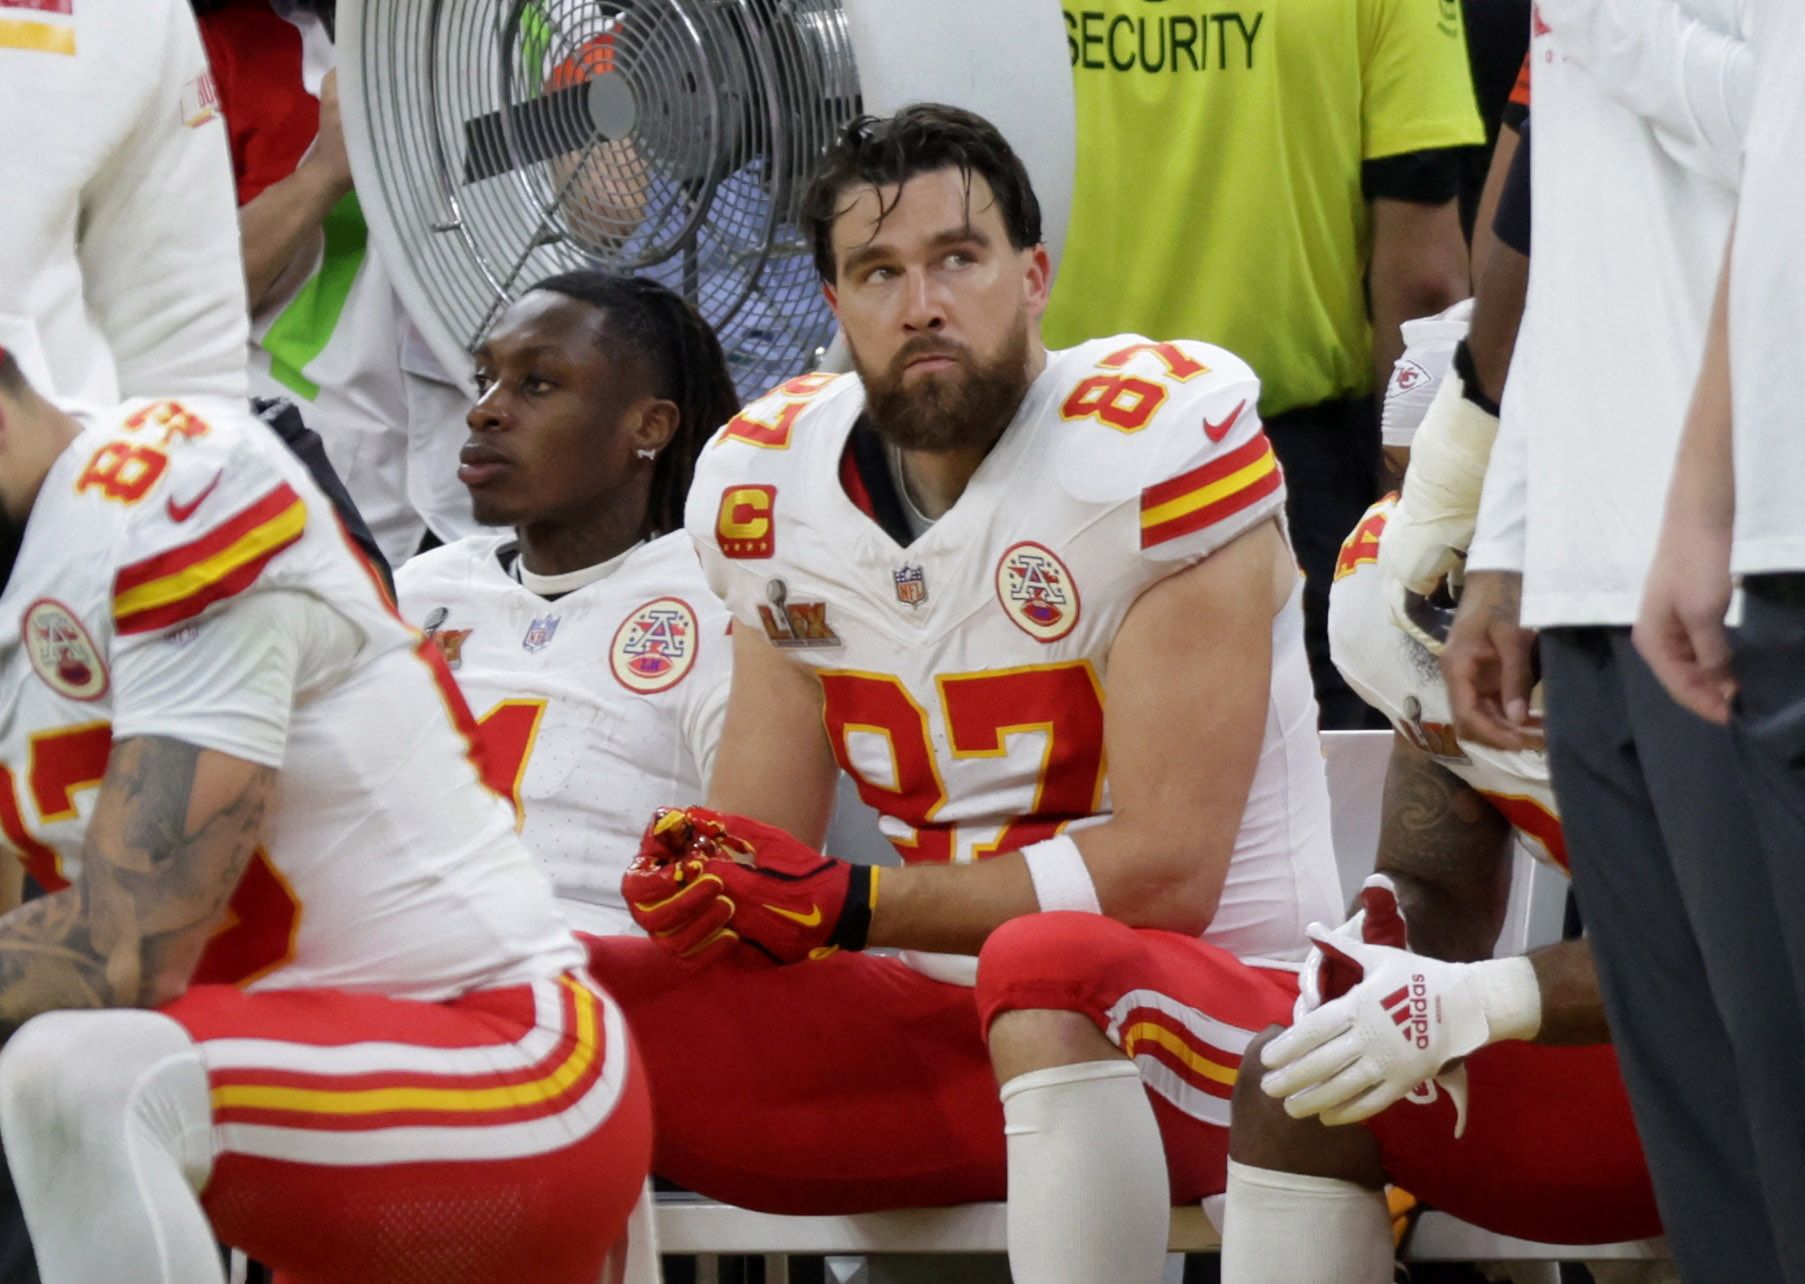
(704, 880)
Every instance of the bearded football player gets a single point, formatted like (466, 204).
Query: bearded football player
(1055, 641)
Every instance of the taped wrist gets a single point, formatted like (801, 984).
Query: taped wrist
(1447, 462)
(854, 926)
(1062, 881)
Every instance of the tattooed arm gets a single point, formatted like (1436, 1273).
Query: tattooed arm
(1448, 851)
(173, 829)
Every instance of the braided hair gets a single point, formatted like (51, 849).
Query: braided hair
(686, 367)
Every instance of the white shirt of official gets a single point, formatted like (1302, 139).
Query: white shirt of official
(1638, 110)
(1767, 309)
(119, 271)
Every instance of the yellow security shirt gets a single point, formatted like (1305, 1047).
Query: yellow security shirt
(1219, 157)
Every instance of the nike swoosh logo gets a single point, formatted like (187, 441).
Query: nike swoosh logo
(810, 919)
(182, 512)
(1217, 431)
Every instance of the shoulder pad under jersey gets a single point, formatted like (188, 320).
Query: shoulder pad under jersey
(1139, 414)
(210, 507)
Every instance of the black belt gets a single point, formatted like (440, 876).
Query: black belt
(1784, 588)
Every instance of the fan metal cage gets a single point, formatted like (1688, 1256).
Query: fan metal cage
(511, 139)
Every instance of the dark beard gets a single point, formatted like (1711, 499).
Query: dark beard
(967, 406)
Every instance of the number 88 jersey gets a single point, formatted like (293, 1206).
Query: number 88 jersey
(168, 544)
(963, 674)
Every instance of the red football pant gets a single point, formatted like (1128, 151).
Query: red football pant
(855, 1083)
(502, 1136)
(1550, 1151)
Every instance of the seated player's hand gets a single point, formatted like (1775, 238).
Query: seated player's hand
(1407, 1020)
(705, 881)
(1378, 921)
(671, 893)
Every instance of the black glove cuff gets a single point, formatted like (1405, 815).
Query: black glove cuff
(855, 919)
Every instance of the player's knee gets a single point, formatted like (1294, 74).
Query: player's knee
(1038, 953)
(1038, 989)
(1029, 1039)
(69, 1078)
(50, 1084)
(1262, 1132)
(1263, 1135)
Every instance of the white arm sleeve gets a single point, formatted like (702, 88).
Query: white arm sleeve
(1692, 82)
(231, 680)
(1498, 540)
(161, 266)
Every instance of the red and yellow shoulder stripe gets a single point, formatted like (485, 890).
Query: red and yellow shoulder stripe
(43, 26)
(1210, 493)
(181, 583)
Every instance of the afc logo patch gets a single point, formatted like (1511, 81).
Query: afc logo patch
(745, 526)
(61, 652)
(1037, 592)
(655, 647)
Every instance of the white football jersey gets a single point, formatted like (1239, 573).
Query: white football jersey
(600, 705)
(385, 864)
(119, 266)
(1397, 675)
(964, 674)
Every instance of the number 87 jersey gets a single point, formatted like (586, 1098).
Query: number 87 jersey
(963, 674)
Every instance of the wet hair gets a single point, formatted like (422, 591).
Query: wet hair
(683, 363)
(879, 151)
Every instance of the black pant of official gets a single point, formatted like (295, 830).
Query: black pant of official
(1691, 959)
(1330, 454)
(1768, 654)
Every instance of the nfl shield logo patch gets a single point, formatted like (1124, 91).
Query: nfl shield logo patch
(911, 586)
(539, 632)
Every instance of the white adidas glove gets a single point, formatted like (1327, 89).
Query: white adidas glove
(1378, 921)
(1403, 1024)
(1429, 344)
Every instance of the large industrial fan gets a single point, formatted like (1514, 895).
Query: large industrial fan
(497, 141)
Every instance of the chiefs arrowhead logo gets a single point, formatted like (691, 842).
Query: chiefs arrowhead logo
(1408, 375)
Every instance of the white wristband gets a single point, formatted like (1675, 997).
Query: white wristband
(1061, 880)
(1513, 997)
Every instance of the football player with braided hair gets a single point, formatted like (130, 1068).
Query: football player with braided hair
(1041, 608)
(583, 633)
